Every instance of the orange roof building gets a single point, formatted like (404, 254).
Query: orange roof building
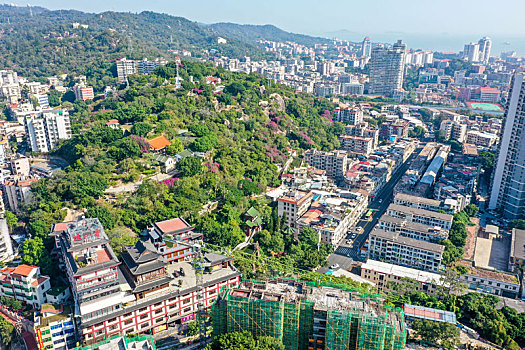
(34, 285)
(159, 143)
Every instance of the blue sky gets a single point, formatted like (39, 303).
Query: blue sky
(437, 19)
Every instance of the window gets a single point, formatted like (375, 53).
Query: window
(158, 311)
(128, 322)
(187, 301)
(143, 317)
(144, 325)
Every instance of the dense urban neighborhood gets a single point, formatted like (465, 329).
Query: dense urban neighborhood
(172, 185)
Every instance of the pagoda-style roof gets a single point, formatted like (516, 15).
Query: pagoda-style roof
(140, 260)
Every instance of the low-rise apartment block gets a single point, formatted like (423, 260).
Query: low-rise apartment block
(24, 283)
(517, 249)
(17, 192)
(412, 229)
(392, 247)
(363, 130)
(491, 281)
(397, 129)
(425, 203)
(454, 130)
(384, 275)
(481, 139)
(293, 205)
(357, 145)
(6, 245)
(417, 202)
(332, 217)
(334, 163)
(54, 327)
(83, 92)
(421, 216)
(350, 115)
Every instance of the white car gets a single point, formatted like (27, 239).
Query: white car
(334, 266)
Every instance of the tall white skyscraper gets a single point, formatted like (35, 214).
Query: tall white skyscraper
(508, 179)
(366, 47)
(485, 44)
(471, 52)
(387, 67)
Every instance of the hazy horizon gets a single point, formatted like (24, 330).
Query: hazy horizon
(456, 22)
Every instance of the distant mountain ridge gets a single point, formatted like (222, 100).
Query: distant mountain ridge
(38, 41)
(251, 33)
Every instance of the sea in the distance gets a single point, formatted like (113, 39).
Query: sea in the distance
(443, 42)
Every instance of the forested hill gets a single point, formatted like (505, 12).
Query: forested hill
(36, 41)
(252, 33)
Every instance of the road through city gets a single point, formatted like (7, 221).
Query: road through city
(346, 254)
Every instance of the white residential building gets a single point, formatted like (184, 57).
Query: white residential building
(394, 248)
(334, 163)
(350, 115)
(24, 283)
(44, 128)
(6, 245)
(357, 144)
(421, 216)
(10, 86)
(482, 139)
(294, 204)
(382, 274)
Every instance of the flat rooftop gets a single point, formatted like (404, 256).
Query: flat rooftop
(401, 271)
(518, 244)
(492, 253)
(427, 313)
(407, 241)
(417, 200)
(420, 212)
(414, 226)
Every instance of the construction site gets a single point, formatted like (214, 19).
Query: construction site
(309, 315)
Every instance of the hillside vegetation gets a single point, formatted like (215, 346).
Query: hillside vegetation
(252, 33)
(45, 43)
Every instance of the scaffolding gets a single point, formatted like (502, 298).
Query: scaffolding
(306, 315)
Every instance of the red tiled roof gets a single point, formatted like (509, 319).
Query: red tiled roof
(39, 281)
(424, 313)
(159, 142)
(61, 226)
(24, 270)
(172, 225)
(112, 122)
(102, 256)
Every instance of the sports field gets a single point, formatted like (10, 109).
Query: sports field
(490, 107)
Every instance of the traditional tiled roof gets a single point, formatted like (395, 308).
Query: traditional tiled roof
(173, 225)
(159, 142)
(24, 270)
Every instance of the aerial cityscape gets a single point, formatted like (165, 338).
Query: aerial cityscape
(173, 182)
